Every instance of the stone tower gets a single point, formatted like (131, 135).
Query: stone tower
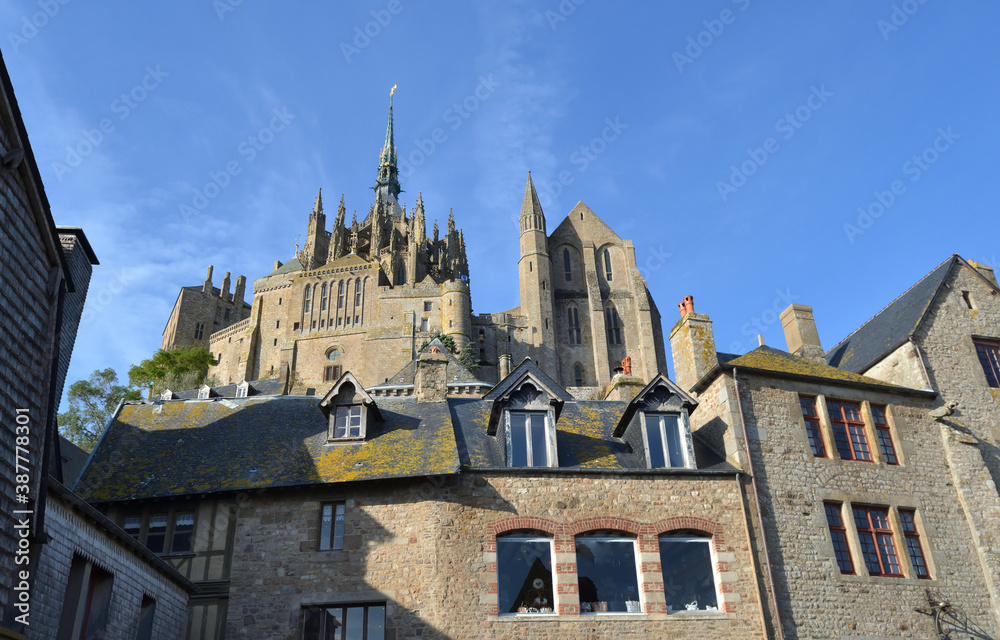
(535, 276)
(316, 249)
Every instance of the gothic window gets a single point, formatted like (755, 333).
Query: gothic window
(567, 265)
(308, 299)
(613, 324)
(578, 375)
(357, 293)
(607, 573)
(340, 295)
(524, 574)
(228, 311)
(573, 322)
(199, 330)
(607, 266)
(322, 299)
(688, 575)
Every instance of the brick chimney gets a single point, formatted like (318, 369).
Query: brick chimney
(986, 271)
(693, 345)
(431, 381)
(800, 333)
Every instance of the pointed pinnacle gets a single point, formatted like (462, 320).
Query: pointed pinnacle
(318, 207)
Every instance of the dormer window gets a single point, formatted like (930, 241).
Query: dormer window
(664, 442)
(349, 409)
(204, 392)
(242, 389)
(529, 439)
(347, 422)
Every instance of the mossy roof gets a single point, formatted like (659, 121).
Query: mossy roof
(193, 447)
(769, 361)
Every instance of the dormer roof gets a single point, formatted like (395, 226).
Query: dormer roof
(524, 373)
(329, 400)
(660, 391)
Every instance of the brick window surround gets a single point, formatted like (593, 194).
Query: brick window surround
(989, 358)
(647, 536)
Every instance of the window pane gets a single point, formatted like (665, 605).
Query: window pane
(156, 533)
(539, 449)
(885, 446)
(354, 623)
(310, 624)
(655, 438)
(518, 441)
(524, 574)
(333, 624)
(132, 526)
(688, 577)
(607, 574)
(183, 529)
(338, 526)
(376, 623)
(326, 526)
(671, 428)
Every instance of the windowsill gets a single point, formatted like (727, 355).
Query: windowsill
(854, 577)
(676, 616)
(336, 441)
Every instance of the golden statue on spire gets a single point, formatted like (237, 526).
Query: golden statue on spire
(391, 91)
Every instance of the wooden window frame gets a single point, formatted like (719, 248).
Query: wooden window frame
(915, 551)
(878, 546)
(332, 538)
(850, 436)
(550, 454)
(322, 631)
(883, 434)
(338, 411)
(814, 431)
(838, 536)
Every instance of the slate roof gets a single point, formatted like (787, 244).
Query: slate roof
(270, 387)
(769, 361)
(893, 325)
(291, 266)
(193, 447)
(456, 372)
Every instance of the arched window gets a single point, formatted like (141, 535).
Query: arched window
(322, 298)
(357, 294)
(567, 265)
(686, 559)
(573, 322)
(613, 324)
(578, 375)
(524, 574)
(607, 265)
(308, 295)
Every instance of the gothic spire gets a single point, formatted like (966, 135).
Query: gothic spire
(388, 175)
(451, 222)
(318, 207)
(532, 217)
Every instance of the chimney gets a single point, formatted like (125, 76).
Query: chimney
(986, 271)
(504, 365)
(207, 287)
(241, 285)
(800, 333)
(693, 346)
(277, 264)
(224, 294)
(431, 381)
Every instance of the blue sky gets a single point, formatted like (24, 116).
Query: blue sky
(824, 153)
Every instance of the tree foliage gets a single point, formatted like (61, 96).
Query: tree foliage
(467, 356)
(92, 403)
(177, 369)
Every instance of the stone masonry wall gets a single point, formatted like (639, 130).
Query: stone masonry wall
(426, 547)
(133, 578)
(815, 599)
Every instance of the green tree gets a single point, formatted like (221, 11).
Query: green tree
(176, 369)
(467, 356)
(92, 402)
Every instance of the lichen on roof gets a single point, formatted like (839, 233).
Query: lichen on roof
(769, 360)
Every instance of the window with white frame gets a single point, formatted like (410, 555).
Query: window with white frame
(529, 439)
(665, 440)
(688, 573)
(524, 574)
(347, 422)
(607, 572)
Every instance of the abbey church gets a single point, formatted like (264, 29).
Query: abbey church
(365, 295)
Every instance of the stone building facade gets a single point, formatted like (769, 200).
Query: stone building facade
(364, 295)
(870, 503)
(425, 515)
